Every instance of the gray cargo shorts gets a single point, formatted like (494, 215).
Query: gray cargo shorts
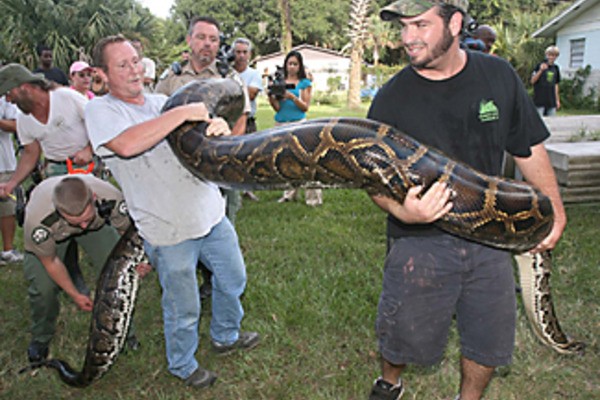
(428, 280)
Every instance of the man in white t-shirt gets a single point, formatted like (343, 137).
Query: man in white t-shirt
(51, 121)
(242, 50)
(8, 163)
(180, 217)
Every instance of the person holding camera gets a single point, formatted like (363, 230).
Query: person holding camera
(64, 208)
(290, 95)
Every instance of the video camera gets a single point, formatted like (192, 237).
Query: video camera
(468, 40)
(225, 56)
(277, 85)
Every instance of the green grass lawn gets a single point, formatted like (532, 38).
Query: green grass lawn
(314, 277)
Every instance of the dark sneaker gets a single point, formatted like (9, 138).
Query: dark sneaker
(201, 378)
(37, 351)
(383, 390)
(246, 340)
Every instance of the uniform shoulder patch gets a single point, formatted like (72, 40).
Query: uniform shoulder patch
(40, 234)
(122, 208)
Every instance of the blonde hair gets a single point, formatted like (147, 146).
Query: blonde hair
(553, 50)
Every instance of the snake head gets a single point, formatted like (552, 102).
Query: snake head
(223, 97)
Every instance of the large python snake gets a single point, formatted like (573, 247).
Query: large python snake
(337, 152)
(359, 153)
(114, 303)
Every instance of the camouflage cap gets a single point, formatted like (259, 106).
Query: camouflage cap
(410, 8)
(14, 75)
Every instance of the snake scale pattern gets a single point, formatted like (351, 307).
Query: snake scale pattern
(534, 275)
(356, 153)
(337, 152)
(114, 303)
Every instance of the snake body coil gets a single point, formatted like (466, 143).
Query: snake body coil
(114, 303)
(337, 152)
(356, 153)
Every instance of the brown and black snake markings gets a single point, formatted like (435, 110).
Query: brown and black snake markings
(336, 152)
(364, 154)
(114, 303)
(356, 153)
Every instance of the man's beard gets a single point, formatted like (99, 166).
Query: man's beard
(204, 60)
(25, 104)
(436, 52)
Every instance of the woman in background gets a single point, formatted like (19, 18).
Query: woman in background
(80, 75)
(292, 106)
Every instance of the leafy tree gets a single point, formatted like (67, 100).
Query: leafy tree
(312, 21)
(69, 27)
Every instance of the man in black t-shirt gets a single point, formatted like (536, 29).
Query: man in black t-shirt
(51, 73)
(545, 79)
(473, 107)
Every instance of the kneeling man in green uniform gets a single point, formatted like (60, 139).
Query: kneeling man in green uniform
(85, 209)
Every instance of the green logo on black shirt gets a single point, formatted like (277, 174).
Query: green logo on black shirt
(488, 111)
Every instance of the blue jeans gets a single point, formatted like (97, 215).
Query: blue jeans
(176, 267)
(546, 111)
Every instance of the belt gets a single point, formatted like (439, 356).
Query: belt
(70, 168)
(56, 162)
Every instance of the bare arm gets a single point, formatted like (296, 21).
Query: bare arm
(303, 101)
(274, 102)
(83, 156)
(8, 125)
(58, 272)
(538, 171)
(27, 161)
(141, 137)
(240, 125)
(252, 92)
(536, 76)
(417, 208)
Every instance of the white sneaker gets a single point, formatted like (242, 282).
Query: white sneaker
(11, 256)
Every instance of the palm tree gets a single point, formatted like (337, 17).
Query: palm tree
(69, 27)
(358, 32)
(380, 37)
(286, 25)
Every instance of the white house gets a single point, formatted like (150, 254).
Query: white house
(577, 34)
(322, 63)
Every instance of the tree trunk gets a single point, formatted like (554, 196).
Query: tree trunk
(358, 30)
(355, 77)
(286, 26)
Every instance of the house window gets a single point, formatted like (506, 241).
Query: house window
(577, 52)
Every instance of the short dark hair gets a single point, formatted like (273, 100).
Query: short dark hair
(40, 48)
(202, 18)
(98, 52)
(446, 11)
